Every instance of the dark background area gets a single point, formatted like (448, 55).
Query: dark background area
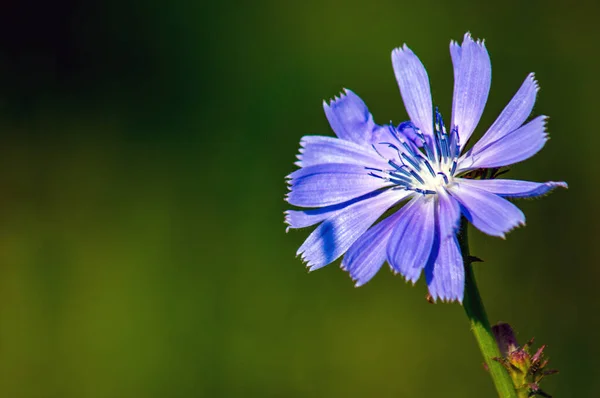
(143, 149)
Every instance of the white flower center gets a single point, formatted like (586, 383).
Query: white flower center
(424, 165)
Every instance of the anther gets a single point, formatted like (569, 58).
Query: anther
(454, 163)
(429, 167)
(418, 177)
(414, 164)
(444, 176)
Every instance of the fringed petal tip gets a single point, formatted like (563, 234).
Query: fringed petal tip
(336, 98)
(510, 229)
(534, 82)
(356, 279)
(402, 49)
(308, 263)
(469, 38)
(445, 299)
(287, 220)
(408, 280)
(299, 156)
(359, 269)
(349, 117)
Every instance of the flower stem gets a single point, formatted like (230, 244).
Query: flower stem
(480, 324)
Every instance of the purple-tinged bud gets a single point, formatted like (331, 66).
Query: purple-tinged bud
(505, 337)
(526, 370)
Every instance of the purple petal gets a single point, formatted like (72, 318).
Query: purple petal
(368, 253)
(350, 118)
(410, 244)
(486, 211)
(446, 276)
(514, 147)
(336, 234)
(514, 188)
(319, 150)
(514, 115)
(471, 87)
(414, 87)
(330, 184)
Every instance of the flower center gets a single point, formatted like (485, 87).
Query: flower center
(424, 164)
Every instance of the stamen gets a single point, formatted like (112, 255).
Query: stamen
(414, 164)
(398, 181)
(456, 141)
(444, 146)
(438, 154)
(424, 191)
(409, 149)
(445, 177)
(402, 170)
(418, 177)
(402, 180)
(375, 149)
(429, 167)
(378, 176)
(396, 166)
(428, 151)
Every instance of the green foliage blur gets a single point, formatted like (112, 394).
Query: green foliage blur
(143, 149)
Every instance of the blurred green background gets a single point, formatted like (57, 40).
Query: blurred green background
(143, 149)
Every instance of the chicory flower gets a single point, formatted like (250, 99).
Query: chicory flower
(421, 169)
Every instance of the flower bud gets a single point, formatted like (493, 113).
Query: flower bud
(526, 370)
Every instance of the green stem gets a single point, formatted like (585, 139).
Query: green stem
(480, 324)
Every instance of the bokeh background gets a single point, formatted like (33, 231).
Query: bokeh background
(143, 149)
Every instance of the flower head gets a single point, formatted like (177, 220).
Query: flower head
(349, 182)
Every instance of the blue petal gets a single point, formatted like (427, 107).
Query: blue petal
(386, 135)
(414, 87)
(471, 87)
(305, 218)
(349, 118)
(330, 184)
(448, 215)
(368, 253)
(444, 271)
(336, 234)
(514, 188)
(514, 147)
(446, 276)
(514, 115)
(319, 150)
(410, 244)
(486, 211)
(455, 54)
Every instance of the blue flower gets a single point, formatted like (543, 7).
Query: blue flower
(419, 168)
